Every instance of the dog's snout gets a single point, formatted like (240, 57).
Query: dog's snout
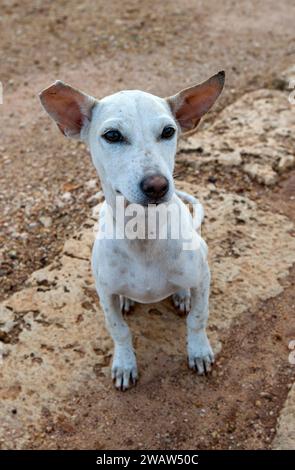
(154, 186)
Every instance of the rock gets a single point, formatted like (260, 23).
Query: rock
(33, 225)
(67, 197)
(12, 254)
(288, 78)
(69, 187)
(266, 395)
(94, 199)
(46, 221)
(95, 212)
(55, 61)
(258, 127)
(59, 204)
(91, 184)
(80, 245)
(285, 437)
(285, 163)
(39, 277)
(230, 159)
(261, 174)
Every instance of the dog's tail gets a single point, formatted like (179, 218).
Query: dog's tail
(199, 214)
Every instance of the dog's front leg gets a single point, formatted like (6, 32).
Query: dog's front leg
(124, 367)
(200, 354)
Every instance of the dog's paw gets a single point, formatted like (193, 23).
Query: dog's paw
(126, 304)
(200, 354)
(124, 368)
(182, 300)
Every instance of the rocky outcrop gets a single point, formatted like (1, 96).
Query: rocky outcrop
(254, 133)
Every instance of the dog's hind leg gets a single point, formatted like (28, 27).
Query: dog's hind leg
(124, 367)
(182, 300)
(126, 304)
(200, 354)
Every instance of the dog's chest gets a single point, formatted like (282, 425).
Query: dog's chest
(147, 274)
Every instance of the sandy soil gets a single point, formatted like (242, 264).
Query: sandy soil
(47, 188)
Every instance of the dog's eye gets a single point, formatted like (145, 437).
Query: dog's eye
(113, 136)
(168, 132)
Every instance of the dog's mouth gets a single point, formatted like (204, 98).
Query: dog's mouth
(145, 202)
(152, 202)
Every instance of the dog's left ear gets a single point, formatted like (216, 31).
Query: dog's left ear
(69, 108)
(189, 105)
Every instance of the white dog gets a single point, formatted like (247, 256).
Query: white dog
(132, 138)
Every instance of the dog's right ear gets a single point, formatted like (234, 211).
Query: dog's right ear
(69, 108)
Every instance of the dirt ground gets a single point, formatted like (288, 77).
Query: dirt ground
(48, 189)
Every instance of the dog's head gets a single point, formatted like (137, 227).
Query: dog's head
(132, 135)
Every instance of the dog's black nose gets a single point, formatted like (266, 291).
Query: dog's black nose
(154, 186)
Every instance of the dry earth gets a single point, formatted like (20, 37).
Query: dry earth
(54, 378)
(55, 381)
